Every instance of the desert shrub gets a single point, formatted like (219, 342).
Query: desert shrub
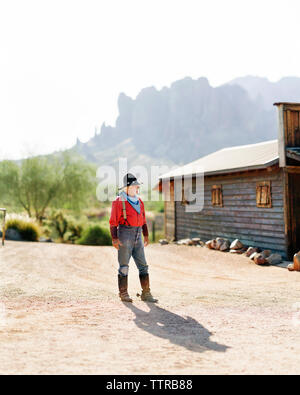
(59, 223)
(28, 228)
(46, 231)
(74, 231)
(64, 227)
(95, 235)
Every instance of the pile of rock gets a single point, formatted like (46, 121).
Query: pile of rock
(295, 266)
(256, 254)
(259, 257)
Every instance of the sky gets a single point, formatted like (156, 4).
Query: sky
(64, 63)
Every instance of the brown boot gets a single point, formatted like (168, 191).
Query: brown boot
(146, 294)
(123, 286)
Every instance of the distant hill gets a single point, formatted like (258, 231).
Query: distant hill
(189, 119)
(267, 92)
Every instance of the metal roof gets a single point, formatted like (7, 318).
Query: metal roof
(232, 159)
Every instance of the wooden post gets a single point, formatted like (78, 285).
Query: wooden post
(281, 136)
(3, 226)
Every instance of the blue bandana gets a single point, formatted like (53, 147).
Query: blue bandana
(133, 201)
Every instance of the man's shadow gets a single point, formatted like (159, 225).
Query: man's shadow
(185, 332)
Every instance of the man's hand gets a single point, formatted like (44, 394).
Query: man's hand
(116, 243)
(146, 241)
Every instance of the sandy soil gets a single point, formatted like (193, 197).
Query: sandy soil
(218, 313)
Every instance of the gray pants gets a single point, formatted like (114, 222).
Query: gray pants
(132, 246)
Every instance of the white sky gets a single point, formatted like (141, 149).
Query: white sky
(63, 63)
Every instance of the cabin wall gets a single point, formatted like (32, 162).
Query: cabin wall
(239, 217)
(170, 231)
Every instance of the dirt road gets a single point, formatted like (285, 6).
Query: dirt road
(218, 313)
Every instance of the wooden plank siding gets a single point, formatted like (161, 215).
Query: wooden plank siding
(292, 135)
(289, 131)
(239, 217)
(170, 230)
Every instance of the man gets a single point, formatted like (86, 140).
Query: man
(127, 222)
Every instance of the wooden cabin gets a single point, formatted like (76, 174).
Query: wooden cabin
(251, 192)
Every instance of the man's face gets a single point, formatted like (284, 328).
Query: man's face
(133, 190)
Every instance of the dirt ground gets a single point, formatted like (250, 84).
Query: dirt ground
(218, 313)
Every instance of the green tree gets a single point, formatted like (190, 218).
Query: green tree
(42, 182)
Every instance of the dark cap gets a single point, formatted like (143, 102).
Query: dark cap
(129, 179)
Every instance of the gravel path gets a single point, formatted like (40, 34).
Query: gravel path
(218, 313)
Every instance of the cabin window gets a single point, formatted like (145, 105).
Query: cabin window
(217, 196)
(263, 194)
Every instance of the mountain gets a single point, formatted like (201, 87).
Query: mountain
(285, 90)
(189, 119)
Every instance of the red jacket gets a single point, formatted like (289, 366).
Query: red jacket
(133, 217)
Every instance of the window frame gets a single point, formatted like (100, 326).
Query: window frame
(217, 201)
(260, 185)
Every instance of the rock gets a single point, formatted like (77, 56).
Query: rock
(163, 242)
(251, 251)
(254, 255)
(214, 244)
(274, 259)
(219, 242)
(13, 234)
(297, 262)
(225, 246)
(259, 259)
(227, 241)
(240, 251)
(291, 267)
(266, 253)
(209, 244)
(236, 245)
(185, 242)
